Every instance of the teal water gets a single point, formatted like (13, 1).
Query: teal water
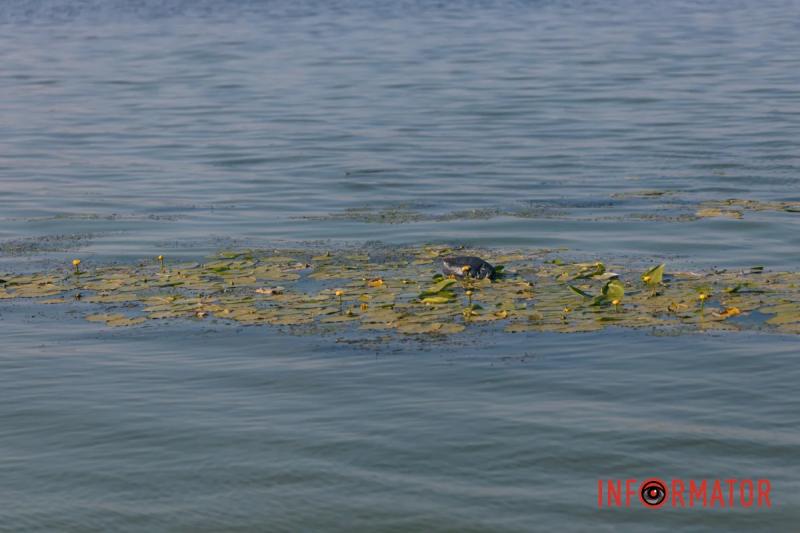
(129, 130)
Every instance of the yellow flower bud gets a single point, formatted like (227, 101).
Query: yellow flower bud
(339, 293)
(76, 262)
(615, 302)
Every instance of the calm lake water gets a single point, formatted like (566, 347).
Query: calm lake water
(132, 129)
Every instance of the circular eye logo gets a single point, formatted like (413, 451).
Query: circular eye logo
(653, 492)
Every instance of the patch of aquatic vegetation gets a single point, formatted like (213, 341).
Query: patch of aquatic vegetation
(643, 194)
(106, 217)
(395, 215)
(402, 290)
(46, 243)
(404, 215)
(735, 208)
(662, 206)
(531, 211)
(659, 217)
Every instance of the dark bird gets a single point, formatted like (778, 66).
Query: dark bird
(461, 266)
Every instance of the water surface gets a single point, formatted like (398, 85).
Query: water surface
(129, 130)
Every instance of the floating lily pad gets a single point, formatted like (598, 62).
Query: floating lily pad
(654, 276)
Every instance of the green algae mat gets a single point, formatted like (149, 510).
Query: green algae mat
(402, 290)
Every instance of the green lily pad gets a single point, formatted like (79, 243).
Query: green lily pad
(579, 292)
(654, 276)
